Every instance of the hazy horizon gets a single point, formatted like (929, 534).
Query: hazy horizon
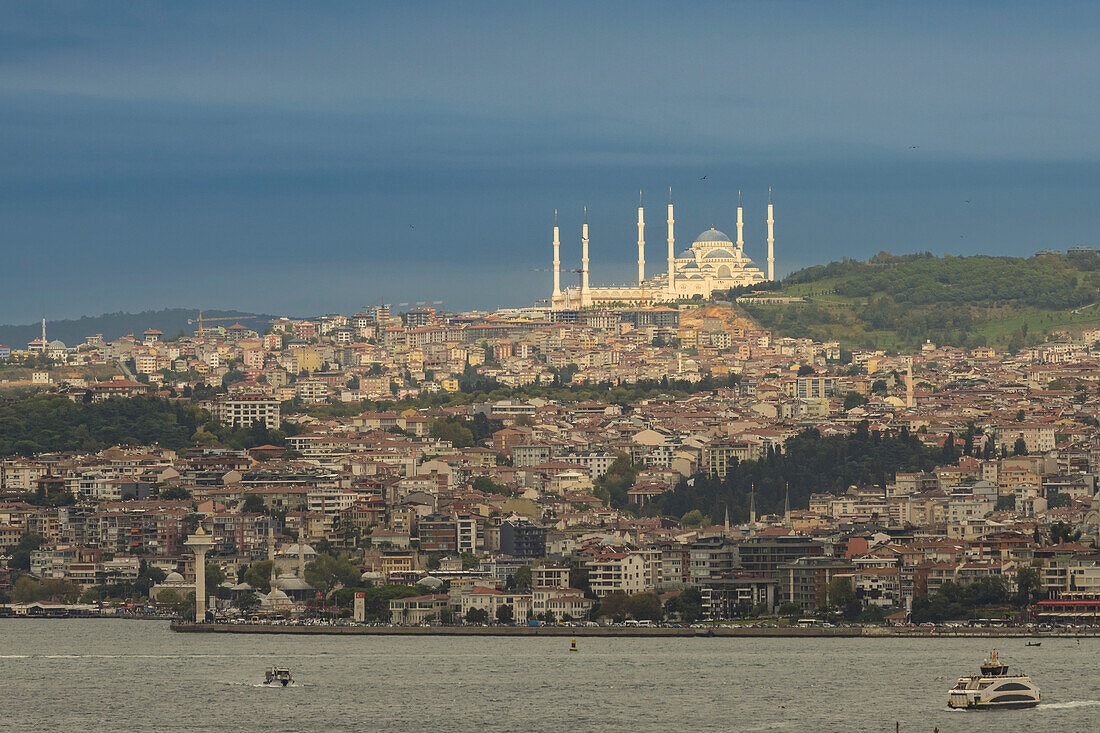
(284, 157)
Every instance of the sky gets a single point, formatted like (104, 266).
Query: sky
(306, 158)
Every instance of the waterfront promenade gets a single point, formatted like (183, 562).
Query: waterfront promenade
(636, 631)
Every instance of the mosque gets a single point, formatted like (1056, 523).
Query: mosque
(712, 263)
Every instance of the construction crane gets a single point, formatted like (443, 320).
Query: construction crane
(416, 304)
(200, 320)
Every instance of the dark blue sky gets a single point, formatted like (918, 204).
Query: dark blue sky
(272, 156)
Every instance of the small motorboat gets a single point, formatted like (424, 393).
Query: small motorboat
(278, 676)
(1035, 643)
(994, 687)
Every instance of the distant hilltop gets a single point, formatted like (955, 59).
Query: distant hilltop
(897, 302)
(113, 325)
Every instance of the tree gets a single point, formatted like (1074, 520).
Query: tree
(1027, 585)
(694, 518)
(248, 602)
(253, 504)
(789, 609)
(258, 575)
(805, 370)
(840, 592)
(1056, 499)
(688, 605)
(21, 555)
(524, 578)
(215, 576)
(477, 616)
(505, 614)
(175, 493)
(1019, 448)
(327, 572)
(1006, 503)
(853, 399)
(646, 606)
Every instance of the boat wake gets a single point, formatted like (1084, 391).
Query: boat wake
(1068, 705)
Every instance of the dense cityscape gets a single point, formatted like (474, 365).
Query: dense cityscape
(663, 464)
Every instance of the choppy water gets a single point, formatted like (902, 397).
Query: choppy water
(114, 675)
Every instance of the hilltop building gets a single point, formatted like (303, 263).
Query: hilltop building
(712, 263)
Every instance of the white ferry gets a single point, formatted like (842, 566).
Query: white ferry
(278, 676)
(994, 688)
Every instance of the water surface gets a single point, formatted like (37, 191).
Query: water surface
(121, 675)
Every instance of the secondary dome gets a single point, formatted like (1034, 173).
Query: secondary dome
(716, 254)
(712, 235)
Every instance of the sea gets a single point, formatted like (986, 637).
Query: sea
(127, 675)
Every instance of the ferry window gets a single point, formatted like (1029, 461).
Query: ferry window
(1012, 686)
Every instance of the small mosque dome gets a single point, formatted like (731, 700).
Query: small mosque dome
(173, 577)
(277, 595)
(57, 345)
(687, 254)
(712, 235)
(430, 582)
(719, 253)
(371, 575)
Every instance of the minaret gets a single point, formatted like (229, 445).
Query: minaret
(43, 333)
(302, 554)
(727, 517)
(585, 300)
(641, 241)
(771, 238)
(787, 506)
(557, 259)
(671, 253)
(752, 504)
(740, 225)
(910, 402)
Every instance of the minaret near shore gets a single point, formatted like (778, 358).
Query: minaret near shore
(771, 239)
(671, 250)
(557, 258)
(585, 299)
(641, 241)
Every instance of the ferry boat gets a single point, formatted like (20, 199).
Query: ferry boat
(994, 688)
(278, 675)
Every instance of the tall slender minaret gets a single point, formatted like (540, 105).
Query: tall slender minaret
(557, 259)
(641, 241)
(771, 238)
(671, 253)
(752, 504)
(740, 225)
(43, 332)
(787, 506)
(585, 299)
(910, 402)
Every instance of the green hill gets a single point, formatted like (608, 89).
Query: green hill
(896, 302)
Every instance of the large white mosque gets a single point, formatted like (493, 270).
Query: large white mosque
(713, 262)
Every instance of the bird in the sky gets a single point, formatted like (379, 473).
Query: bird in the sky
(703, 178)
(966, 201)
(914, 147)
(411, 226)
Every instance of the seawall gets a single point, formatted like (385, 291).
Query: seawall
(622, 631)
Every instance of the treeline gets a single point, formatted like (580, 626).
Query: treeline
(53, 423)
(48, 423)
(809, 464)
(1043, 281)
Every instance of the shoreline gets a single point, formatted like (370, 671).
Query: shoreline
(869, 632)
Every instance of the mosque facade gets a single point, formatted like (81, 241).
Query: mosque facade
(712, 263)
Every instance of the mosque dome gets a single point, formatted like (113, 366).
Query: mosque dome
(430, 582)
(712, 235)
(719, 253)
(690, 266)
(173, 577)
(277, 595)
(687, 254)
